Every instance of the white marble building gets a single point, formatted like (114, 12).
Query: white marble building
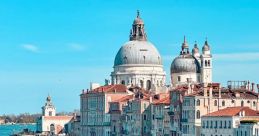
(49, 123)
(138, 62)
(192, 67)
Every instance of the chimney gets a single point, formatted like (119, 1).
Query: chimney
(189, 88)
(150, 99)
(192, 88)
(253, 87)
(248, 86)
(205, 91)
(210, 89)
(219, 91)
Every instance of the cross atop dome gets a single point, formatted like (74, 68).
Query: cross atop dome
(137, 32)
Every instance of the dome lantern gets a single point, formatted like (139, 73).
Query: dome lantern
(185, 47)
(137, 32)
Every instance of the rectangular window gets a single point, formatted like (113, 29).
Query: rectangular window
(229, 124)
(179, 78)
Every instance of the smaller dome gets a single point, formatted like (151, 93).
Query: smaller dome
(206, 46)
(138, 21)
(195, 50)
(185, 64)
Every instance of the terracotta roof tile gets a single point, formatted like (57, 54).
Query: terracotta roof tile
(58, 117)
(233, 111)
(165, 101)
(109, 89)
(124, 99)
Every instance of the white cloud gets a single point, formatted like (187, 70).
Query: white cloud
(246, 56)
(76, 47)
(31, 48)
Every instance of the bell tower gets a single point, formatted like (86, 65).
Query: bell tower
(206, 64)
(48, 109)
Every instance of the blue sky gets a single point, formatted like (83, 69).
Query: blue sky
(60, 46)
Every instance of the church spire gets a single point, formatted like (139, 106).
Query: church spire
(185, 47)
(137, 32)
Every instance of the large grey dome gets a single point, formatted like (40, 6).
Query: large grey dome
(185, 63)
(138, 52)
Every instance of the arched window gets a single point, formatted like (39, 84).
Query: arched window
(123, 82)
(50, 113)
(141, 83)
(148, 84)
(215, 103)
(206, 63)
(254, 104)
(223, 103)
(125, 60)
(198, 114)
(242, 103)
(198, 102)
(52, 128)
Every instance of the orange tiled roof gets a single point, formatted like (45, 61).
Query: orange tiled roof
(109, 89)
(233, 111)
(125, 98)
(58, 117)
(165, 101)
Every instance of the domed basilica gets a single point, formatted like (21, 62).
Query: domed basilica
(192, 67)
(138, 63)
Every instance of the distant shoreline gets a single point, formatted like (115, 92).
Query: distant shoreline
(9, 124)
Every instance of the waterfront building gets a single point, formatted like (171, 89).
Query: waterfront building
(142, 113)
(2, 120)
(201, 100)
(231, 121)
(136, 102)
(73, 128)
(49, 123)
(95, 119)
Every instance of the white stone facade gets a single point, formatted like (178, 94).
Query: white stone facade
(145, 76)
(192, 68)
(138, 62)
